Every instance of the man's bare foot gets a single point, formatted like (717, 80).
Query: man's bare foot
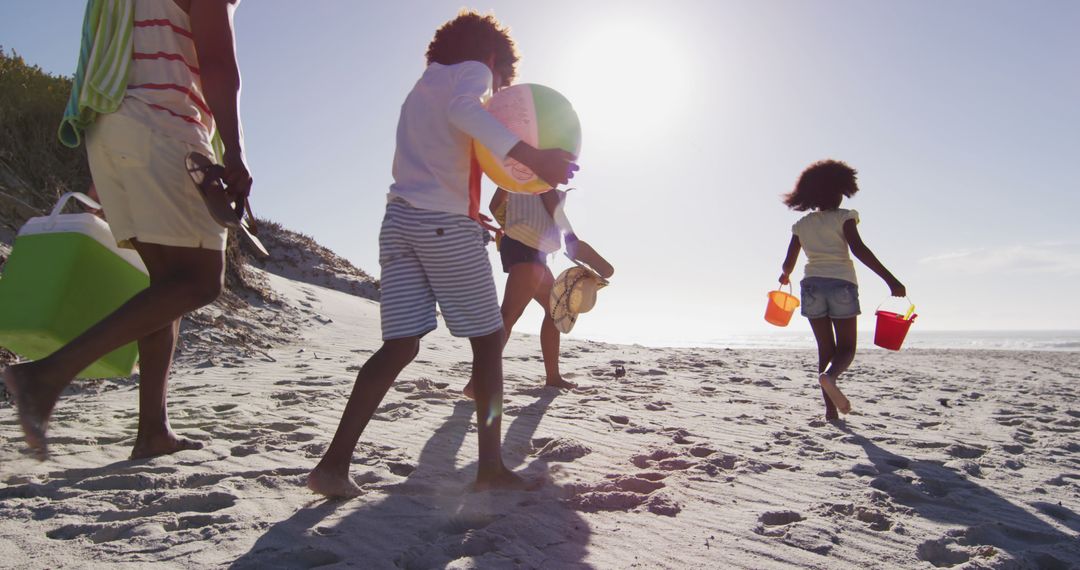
(333, 485)
(469, 392)
(560, 383)
(842, 404)
(163, 445)
(33, 409)
(505, 480)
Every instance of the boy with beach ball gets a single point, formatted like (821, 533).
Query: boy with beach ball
(432, 244)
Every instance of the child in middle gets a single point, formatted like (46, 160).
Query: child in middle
(431, 246)
(533, 225)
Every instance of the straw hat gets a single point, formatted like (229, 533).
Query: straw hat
(573, 292)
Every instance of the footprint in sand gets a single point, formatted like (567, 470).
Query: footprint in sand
(196, 502)
(701, 451)
(779, 518)
(296, 397)
(874, 518)
(559, 449)
(978, 545)
(647, 461)
(628, 492)
(462, 536)
(625, 493)
(430, 391)
(963, 451)
(304, 557)
(394, 411)
(784, 525)
(942, 553)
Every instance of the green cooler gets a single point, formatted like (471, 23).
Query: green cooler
(65, 274)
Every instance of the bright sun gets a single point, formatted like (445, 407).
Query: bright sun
(625, 80)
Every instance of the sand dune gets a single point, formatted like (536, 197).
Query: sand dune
(693, 459)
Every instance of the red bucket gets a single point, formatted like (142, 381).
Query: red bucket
(891, 329)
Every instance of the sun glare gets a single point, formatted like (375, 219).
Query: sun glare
(625, 80)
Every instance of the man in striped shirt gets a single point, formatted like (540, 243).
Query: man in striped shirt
(183, 84)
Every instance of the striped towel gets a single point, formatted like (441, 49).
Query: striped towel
(104, 65)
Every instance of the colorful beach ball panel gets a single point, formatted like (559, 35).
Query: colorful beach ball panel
(541, 117)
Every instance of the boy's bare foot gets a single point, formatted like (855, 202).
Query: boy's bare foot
(560, 383)
(33, 409)
(469, 392)
(842, 404)
(163, 445)
(505, 480)
(333, 485)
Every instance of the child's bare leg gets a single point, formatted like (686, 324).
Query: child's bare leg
(826, 345)
(155, 436)
(331, 476)
(521, 283)
(182, 279)
(550, 337)
(846, 330)
(487, 378)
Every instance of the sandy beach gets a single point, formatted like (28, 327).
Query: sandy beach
(693, 459)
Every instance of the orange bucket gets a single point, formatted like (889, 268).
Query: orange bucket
(892, 328)
(780, 308)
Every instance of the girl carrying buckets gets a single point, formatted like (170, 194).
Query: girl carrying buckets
(830, 295)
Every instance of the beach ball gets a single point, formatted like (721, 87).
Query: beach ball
(541, 117)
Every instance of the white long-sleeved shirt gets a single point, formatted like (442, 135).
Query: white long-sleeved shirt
(439, 119)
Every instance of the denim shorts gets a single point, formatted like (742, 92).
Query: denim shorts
(828, 297)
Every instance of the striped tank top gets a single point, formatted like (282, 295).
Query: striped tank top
(164, 89)
(528, 221)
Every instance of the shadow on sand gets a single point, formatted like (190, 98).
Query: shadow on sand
(431, 519)
(937, 493)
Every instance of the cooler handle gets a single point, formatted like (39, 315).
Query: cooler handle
(63, 202)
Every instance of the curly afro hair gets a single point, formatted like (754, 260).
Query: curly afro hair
(472, 37)
(822, 186)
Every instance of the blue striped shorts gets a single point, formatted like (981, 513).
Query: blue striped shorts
(428, 257)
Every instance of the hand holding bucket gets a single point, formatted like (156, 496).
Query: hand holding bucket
(893, 327)
(781, 306)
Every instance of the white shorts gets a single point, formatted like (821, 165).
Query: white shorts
(145, 188)
(428, 256)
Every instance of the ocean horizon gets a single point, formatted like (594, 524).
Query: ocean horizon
(1040, 340)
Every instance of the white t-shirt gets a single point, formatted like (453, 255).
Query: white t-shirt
(821, 235)
(438, 121)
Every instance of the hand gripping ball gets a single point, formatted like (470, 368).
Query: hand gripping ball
(541, 117)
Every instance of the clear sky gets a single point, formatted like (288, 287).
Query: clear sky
(962, 117)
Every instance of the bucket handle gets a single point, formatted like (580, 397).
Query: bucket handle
(905, 316)
(791, 291)
(51, 223)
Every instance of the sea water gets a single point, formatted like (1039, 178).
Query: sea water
(1066, 341)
